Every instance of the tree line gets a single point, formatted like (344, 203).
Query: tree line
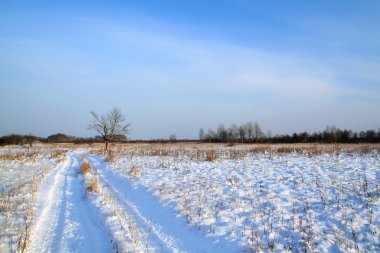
(248, 132)
(251, 132)
(18, 139)
(109, 126)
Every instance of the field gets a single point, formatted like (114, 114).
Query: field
(190, 198)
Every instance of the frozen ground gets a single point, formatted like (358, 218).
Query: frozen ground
(157, 224)
(21, 172)
(268, 201)
(188, 200)
(65, 221)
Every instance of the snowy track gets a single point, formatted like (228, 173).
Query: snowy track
(265, 202)
(164, 231)
(65, 221)
(119, 217)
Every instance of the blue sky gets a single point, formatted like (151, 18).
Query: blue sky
(177, 66)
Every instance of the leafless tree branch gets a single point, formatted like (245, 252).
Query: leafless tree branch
(110, 126)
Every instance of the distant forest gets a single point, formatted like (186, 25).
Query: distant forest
(251, 132)
(17, 139)
(246, 133)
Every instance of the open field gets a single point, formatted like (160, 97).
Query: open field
(190, 197)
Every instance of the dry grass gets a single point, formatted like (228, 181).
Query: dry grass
(18, 156)
(213, 151)
(256, 149)
(58, 154)
(32, 154)
(323, 149)
(98, 152)
(93, 185)
(91, 181)
(236, 154)
(110, 155)
(133, 172)
(211, 155)
(85, 167)
(16, 204)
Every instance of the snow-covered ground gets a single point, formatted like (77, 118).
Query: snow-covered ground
(267, 201)
(157, 225)
(65, 221)
(188, 199)
(21, 171)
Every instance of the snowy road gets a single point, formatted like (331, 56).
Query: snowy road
(65, 221)
(165, 231)
(68, 220)
(288, 202)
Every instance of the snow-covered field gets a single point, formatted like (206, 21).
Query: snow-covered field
(189, 198)
(21, 172)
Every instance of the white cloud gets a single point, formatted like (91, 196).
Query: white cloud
(136, 66)
(173, 60)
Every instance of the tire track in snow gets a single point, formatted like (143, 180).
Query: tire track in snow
(157, 237)
(167, 232)
(65, 221)
(165, 240)
(49, 205)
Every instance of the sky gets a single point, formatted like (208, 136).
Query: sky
(174, 67)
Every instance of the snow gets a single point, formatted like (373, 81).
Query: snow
(21, 171)
(267, 201)
(165, 231)
(174, 200)
(66, 222)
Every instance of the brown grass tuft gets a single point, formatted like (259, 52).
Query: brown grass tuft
(257, 149)
(133, 172)
(98, 152)
(110, 156)
(18, 156)
(85, 167)
(211, 155)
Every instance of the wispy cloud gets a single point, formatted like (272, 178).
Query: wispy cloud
(161, 69)
(216, 65)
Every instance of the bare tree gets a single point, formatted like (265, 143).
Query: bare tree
(257, 131)
(222, 133)
(201, 134)
(233, 132)
(250, 128)
(110, 126)
(269, 134)
(172, 138)
(210, 135)
(242, 131)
